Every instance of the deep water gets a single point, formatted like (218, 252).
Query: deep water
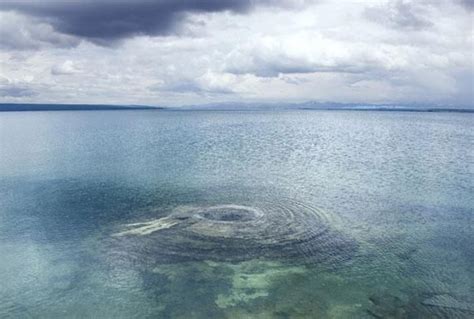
(206, 214)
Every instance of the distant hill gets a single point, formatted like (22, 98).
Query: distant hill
(380, 107)
(314, 105)
(14, 107)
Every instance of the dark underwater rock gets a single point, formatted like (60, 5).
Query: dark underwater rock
(287, 229)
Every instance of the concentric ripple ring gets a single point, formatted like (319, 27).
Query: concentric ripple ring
(286, 229)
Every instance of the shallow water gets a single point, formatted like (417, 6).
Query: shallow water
(297, 214)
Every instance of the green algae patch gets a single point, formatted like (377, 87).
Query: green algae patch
(230, 287)
(252, 280)
(262, 288)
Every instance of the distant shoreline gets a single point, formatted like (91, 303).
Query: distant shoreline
(430, 110)
(12, 107)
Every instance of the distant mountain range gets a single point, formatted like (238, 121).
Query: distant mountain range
(237, 106)
(313, 105)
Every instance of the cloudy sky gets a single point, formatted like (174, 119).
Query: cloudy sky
(176, 52)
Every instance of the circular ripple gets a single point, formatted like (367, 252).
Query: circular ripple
(286, 229)
(225, 213)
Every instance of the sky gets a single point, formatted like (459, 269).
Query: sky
(183, 52)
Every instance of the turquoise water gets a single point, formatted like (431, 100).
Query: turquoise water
(196, 214)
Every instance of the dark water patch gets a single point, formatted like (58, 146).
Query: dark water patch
(55, 210)
(226, 214)
(64, 209)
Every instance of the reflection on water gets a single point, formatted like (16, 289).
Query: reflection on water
(236, 215)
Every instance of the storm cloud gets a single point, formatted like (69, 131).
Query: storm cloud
(104, 21)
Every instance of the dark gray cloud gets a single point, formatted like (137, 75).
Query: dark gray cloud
(468, 4)
(104, 21)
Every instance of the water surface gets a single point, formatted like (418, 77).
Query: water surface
(196, 214)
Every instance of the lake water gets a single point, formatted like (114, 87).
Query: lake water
(197, 214)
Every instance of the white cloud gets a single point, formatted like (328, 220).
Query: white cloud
(330, 50)
(18, 32)
(68, 67)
